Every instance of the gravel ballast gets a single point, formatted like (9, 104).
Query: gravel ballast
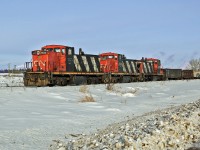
(172, 128)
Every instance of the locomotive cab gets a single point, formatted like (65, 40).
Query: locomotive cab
(109, 62)
(51, 58)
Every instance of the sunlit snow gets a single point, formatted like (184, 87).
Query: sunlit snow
(31, 117)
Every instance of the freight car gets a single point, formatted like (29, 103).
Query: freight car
(187, 74)
(59, 65)
(172, 74)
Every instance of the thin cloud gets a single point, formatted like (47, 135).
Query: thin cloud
(170, 58)
(162, 54)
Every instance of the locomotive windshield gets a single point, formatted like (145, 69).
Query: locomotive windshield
(110, 57)
(104, 58)
(57, 50)
(107, 57)
(47, 49)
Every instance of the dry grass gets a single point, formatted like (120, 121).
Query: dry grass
(119, 90)
(110, 87)
(133, 91)
(87, 95)
(84, 89)
(162, 82)
(87, 98)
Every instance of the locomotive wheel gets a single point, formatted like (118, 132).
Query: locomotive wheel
(58, 82)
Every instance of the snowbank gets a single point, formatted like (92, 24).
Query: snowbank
(11, 80)
(32, 117)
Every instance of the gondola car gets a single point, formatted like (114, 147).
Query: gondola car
(187, 74)
(172, 74)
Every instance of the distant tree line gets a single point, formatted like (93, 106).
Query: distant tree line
(12, 71)
(4, 71)
(194, 64)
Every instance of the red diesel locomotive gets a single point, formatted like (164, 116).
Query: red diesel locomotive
(59, 65)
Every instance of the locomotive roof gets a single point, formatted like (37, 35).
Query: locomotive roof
(109, 53)
(51, 46)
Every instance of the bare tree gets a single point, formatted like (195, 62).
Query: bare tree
(194, 64)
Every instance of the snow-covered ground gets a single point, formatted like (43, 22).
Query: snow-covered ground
(7, 80)
(30, 118)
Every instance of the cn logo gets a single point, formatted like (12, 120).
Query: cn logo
(38, 63)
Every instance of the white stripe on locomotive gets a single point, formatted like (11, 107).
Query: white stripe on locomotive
(85, 62)
(134, 67)
(77, 64)
(149, 68)
(94, 64)
(145, 68)
(124, 69)
(128, 66)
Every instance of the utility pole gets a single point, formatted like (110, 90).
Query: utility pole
(8, 69)
(15, 69)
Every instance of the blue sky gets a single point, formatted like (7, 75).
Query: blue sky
(169, 30)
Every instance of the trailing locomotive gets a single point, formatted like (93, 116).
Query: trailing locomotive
(129, 70)
(59, 65)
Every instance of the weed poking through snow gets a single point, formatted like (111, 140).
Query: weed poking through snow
(110, 87)
(84, 89)
(87, 95)
(87, 98)
(118, 90)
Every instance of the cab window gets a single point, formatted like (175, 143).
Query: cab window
(69, 52)
(57, 50)
(63, 51)
(48, 49)
(110, 57)
(104, 58)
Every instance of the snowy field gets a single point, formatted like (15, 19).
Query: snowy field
(7, 80)
(30, 118)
